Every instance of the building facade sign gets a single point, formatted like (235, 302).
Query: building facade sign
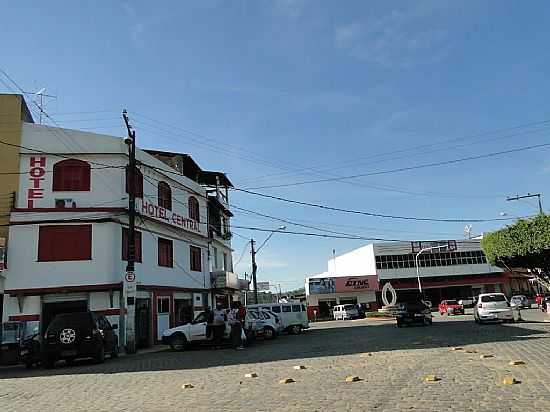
(152, 210)
(37, 170)
(342, 284)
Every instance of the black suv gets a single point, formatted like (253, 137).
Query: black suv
(79, 335)
(413, 313)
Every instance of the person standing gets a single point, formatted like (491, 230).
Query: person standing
(218, 326)
(236, 326)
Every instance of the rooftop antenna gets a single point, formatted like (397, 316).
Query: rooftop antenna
(41, 94)
(468, 231)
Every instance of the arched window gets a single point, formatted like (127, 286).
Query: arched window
(165, 195)
(138, 182)
(193, 205)
(71, 175)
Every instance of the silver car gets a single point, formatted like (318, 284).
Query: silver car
(520, 301)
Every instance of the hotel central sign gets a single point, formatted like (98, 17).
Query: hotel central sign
(167, 216)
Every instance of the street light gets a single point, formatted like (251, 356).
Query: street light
(254, 266)
(418, 268)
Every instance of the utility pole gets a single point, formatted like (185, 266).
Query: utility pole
(129, 283)
(254, 270)
(528, 195)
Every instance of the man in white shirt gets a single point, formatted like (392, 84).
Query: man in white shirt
(218, 327)
(236, 327)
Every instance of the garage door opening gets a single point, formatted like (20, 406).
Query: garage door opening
(50, 310)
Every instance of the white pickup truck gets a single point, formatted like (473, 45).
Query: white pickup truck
(195, 332)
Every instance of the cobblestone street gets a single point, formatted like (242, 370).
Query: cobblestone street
(392, 376)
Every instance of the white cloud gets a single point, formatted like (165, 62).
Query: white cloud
(399, 38)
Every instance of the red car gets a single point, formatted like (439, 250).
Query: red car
(450, 307)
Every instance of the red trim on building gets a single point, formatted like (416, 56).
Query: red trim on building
(64, 289)
(69, 209)
(39, 222)
(108, 312)
(18, 318)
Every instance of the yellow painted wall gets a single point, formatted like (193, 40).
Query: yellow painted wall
(12, 111)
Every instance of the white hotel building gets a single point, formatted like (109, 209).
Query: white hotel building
(66, 244)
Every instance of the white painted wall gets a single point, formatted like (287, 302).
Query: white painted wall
(358, 262)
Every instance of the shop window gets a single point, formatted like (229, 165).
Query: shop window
(195, 258)
(165, 253)
(64, 243)
(138, 182)
(71, 175)
(137, 237)
(194, 211)
(164, 195)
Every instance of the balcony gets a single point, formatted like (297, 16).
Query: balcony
(222, 279)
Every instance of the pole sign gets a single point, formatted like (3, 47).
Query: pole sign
(263, 286)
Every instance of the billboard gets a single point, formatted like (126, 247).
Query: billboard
(262, 286)
(342, 284)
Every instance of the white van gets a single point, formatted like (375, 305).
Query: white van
(293, 315)
(344, 312)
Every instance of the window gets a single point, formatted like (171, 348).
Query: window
(71, 175)
(163, 305)
(296, 308)
(194, 212)
(286, 309)
(195, 258)
(137, 237)
(64, 242)
(225, 267)
(164, 196)
(165, 253)
(215, 253)
(276, 309)
(138, 182)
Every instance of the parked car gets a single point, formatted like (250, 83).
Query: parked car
(492, 307)
(410, 313)
(467, 302)
(273, 323)
(293, 315)
(345, 312)
(181, 336)
(12, 334)
(30, 350)
(79, 335)
(520, 301)
(450, 307)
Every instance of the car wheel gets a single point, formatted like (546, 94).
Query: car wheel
(269, 333)
(178, 342)
(114, 353)
(295, 329)
(100, 354)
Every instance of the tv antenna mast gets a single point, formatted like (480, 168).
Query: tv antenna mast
(41, 94)
(468, 231)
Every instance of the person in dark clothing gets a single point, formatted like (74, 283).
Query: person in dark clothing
(236, 326)
(209, 322)
(218, 326)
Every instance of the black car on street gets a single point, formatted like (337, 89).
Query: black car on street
(79, 335)
(410, 313)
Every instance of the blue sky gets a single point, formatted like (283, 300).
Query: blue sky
(275, 92)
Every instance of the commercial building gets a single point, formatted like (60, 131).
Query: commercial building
(458, 270)
(66, 231)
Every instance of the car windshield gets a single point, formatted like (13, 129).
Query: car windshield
(452, 302)
(493, 298)
(75, 320)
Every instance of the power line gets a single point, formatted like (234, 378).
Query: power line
(373, 214)
(245, 248)
(403, 169)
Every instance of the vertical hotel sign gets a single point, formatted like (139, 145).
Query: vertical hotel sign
(37, 170)
(2, 254)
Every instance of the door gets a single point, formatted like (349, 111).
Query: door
(50, 310)
(163, 315)
(143, 322)
(183, 311)
(197, 330)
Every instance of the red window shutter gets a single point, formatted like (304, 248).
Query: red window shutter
(71, 175)
(193, 206)
(137, 237)
(138, 182)
(195, 258)
(165, 252)
(164, 196)
(65, 243)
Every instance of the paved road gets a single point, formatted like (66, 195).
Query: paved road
(392, 377)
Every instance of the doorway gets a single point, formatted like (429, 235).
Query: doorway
(163, 315)
(50, 310)
(183, 311)
(325, 308)
(143, 322)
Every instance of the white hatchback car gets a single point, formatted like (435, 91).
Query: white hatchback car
(492, 307)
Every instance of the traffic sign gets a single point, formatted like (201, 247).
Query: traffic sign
(130, 276)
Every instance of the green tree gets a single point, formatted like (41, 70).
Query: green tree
(525, 244)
